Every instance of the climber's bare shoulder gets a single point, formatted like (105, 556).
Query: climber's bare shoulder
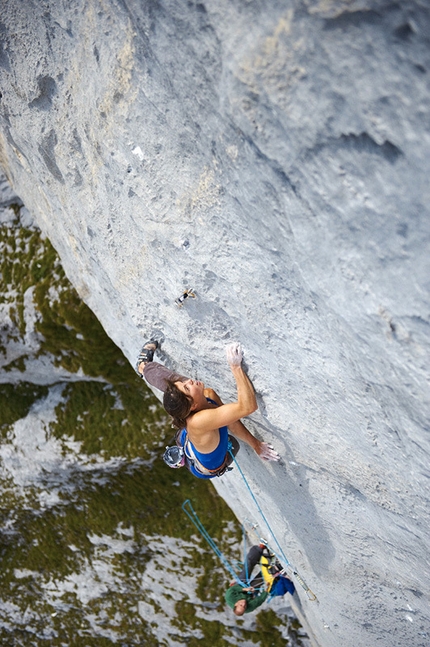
(213, 395)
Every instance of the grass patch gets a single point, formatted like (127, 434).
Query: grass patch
(16, 401)
(213, 631)
(55, 543)
(122, 420)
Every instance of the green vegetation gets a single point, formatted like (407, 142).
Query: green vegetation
(115, 420)
(212, 632)
(26, 260)
(16, 401)
(55, 543)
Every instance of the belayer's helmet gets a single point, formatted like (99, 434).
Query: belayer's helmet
(174, 456)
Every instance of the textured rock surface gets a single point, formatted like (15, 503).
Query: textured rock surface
(274, 156)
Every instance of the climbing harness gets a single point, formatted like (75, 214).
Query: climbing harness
(187, 293)
(192, 458)
(183, 455)
(281, 556)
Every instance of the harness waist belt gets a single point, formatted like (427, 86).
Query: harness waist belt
(189, 452)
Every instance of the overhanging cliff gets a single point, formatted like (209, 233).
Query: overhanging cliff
(274, 157)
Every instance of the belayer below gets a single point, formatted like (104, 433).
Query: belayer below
(202, 420)
(269, 582)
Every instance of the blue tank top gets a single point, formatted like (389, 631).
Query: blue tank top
(214, 459)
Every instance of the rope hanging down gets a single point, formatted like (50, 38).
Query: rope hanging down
(192, 515)
(281, 556)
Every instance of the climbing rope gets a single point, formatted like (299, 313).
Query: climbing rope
(281, 556)
(245, 561)
(192, 515)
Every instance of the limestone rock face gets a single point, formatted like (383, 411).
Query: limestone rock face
(274, 156)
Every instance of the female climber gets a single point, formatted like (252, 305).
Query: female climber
(203, 421)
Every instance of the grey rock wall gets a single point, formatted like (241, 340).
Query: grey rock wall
(274, 156)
